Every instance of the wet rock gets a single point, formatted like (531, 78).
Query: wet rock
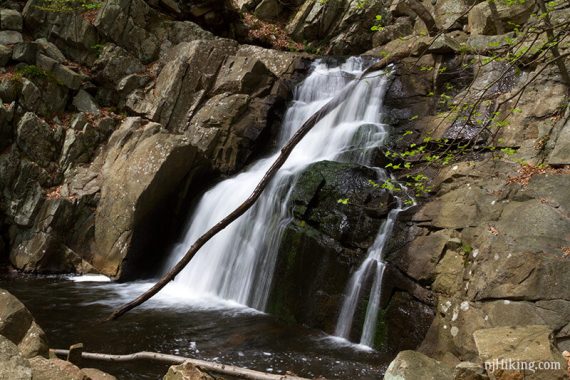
(12, 365)
(15, 318)
(325, 241)
(10, 20)
(17, 325)
(412, 365)
(186, 371)
(34, 342)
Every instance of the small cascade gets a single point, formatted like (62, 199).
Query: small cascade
(372, 267)
(238, 263)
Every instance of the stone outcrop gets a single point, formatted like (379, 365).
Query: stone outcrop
(24, 350)
(62, 148)
(18, 326)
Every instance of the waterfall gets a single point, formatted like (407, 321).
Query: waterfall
(239, 262)
(372, 265)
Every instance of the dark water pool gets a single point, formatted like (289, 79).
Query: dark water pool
(72, 312)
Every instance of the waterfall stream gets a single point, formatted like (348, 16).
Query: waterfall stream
(239, 262)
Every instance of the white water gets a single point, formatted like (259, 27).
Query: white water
(238, 263)
(374, 266)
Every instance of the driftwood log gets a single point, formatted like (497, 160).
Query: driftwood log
(222, 369)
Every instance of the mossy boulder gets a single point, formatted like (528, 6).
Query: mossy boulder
(337, 210)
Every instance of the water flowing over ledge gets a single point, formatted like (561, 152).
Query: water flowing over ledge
(238, 264)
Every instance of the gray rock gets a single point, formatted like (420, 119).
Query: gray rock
(15, 319)
(243, 75)
(95, 374)
(143, 166)
(75, 35)
(38, 140)
(25, 52)
(268, 9)
(50, 369)
(529, 344)
(413, 365)
(68, 77)
(178, 90)
(5, 55)
(470, 371)
(126, 22)
(10, 20)
(114, 63)
(34, 342)
(561, 153)
(12, 365)
(50, 50)
(401, 28)
(482, 21)
(10, 37)
(84, 102)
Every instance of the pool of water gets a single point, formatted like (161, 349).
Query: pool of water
(211, 329)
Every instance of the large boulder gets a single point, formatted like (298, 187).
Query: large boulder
(326, 240)
(502, 348)
(412, 365)
(145, 168)
(17, 325)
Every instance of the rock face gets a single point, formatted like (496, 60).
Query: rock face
(142, 169)
(64, 157)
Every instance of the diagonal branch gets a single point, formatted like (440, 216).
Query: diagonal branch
(250, 201)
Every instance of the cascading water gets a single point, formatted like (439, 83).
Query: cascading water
(373, 266)
(238, 263)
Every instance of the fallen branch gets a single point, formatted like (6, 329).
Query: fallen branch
(250, 201)
(242, 373)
